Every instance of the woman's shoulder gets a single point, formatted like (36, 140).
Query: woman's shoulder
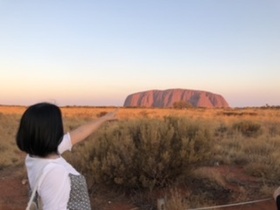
(54, 187)
(54, 171)
(53, 176)
(54, 167)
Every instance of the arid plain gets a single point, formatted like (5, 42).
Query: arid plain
(234, 157)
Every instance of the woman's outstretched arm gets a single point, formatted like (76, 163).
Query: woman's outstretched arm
(79, 134)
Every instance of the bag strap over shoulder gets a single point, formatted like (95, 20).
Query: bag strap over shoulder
(34, 192)
(39, 181)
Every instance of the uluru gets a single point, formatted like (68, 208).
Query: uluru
(167, 99)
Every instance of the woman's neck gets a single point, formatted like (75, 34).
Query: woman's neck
(53, 156)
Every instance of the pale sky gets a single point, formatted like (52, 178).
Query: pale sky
(95, 53)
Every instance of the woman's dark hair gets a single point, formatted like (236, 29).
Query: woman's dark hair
(40, 130)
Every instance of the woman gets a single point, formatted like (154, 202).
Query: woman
(41, 136)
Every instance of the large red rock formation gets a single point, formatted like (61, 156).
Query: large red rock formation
(167, 98)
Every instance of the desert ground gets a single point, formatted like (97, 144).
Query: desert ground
(14, 193)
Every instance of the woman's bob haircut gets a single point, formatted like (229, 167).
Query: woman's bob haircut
(40, 130)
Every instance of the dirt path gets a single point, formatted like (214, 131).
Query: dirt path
(14, 195)
(12, 192)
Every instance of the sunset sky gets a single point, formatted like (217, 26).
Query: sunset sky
(95, 53)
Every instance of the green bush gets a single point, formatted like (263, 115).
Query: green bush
(145, 153)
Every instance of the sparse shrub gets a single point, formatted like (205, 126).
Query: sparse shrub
(176, 200)
(263, 158)
(100, 114)
(221, 130)
(146, 153)
(182, 105)
(273, 129)
(237, 113)
(8, 149)
(210, 190)
(248, 128)
(144, 113)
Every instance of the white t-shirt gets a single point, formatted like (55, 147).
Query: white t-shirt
(55, 187)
